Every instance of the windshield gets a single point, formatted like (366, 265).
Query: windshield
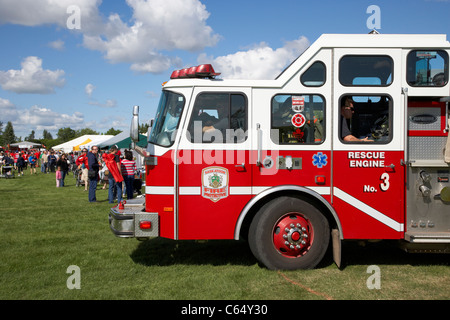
(167, 119)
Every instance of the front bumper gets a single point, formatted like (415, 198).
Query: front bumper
(125, 223)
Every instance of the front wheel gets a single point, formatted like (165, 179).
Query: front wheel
(289, 233)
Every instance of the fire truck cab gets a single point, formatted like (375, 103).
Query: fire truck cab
(350, 142)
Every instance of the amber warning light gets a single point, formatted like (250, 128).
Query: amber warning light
(201, 71)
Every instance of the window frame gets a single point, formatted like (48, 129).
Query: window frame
(446, 69)
(366, 85)
(299, 143)
(324, 71)
(162, 107)
(390, 110)
(190, 137)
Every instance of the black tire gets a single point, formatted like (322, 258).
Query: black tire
(302, 247)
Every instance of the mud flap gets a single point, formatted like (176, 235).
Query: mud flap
(336, 241)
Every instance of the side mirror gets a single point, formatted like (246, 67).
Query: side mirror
(134, 129)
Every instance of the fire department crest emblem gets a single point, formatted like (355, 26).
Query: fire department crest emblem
(215, 183)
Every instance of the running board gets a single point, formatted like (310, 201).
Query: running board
(428, 237)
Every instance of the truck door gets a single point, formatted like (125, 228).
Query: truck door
(292, 136)
(213, 161)
(368, 135)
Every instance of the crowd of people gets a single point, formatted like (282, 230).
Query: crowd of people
(89, 168)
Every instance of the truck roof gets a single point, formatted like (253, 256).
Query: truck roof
(327, 41)
(382, 41)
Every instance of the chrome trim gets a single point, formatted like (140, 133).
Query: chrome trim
(259, 144)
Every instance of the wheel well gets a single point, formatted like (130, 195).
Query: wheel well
(245, 226)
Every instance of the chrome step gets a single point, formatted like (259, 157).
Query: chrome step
(428, 237)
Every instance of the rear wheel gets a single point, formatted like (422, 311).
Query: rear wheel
(289, 233)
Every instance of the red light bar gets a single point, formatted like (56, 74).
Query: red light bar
(191, 72)
(183, 73)
(175, 74)
(201, 71)
(206, 70)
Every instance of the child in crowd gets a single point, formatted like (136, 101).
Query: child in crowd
(20, 164)
(58, 177)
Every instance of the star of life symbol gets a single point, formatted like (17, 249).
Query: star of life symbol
(320, 160)
(215, 183)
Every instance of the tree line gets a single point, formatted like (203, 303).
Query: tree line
(65, 134)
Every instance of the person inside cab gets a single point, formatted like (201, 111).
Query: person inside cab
(347, 111)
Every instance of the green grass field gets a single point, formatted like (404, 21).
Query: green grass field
(45, 229)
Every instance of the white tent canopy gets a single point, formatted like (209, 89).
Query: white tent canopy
(68, 146)
(25, 145)
(96, 142)
(115, 139)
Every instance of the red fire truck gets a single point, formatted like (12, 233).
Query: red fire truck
(350, 142)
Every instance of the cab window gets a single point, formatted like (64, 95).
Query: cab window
(297, 119)
(427, 68)
(314, 76)
(218, 118)
(359, 70)
(365, 119)
(167, 118)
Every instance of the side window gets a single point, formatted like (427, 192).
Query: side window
(427, 68)
(218, 118)
(297, 119)
(365, 119)
(315, 75)
(356, 70)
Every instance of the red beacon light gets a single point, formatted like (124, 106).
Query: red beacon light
(191, 72)
(201, 71)
(175, 74)
(206, 70)
(183, 73)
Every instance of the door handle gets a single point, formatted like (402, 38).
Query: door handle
(391, 166)
(259, 144)
(240, 165)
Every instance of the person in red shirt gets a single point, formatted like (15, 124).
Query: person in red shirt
(25, 155)
(115, 179)
(128, 172)
(37, 154)
(15, 156)
(82, 164)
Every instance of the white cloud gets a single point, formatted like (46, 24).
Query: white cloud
(174, 24)
(89, 89)
(43, 118)
(32, 78)
(157, 26)
(107, 122)
(8, 111)
(260, 62)
(110, 103)
(57, 45)
(38, 118)
(39, 12)
(113, 121)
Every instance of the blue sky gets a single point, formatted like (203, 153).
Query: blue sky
(53, 75)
